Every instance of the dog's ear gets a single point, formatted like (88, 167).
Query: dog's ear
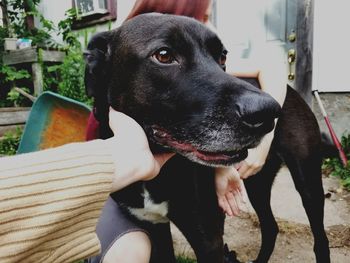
(97, 60)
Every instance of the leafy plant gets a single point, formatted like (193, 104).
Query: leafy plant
(72, 77)
(3, 34)
(19, 12)
(18, 99)
(69, 76)
(9, 76)
(65, 29)
(66, 78)
(10, 142)
(16, 14)
(335, 167)
(185, 260)
(12, 74)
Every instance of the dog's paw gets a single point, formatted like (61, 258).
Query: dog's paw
(230, 256)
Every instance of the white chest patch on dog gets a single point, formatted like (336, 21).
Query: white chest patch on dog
(152, 212)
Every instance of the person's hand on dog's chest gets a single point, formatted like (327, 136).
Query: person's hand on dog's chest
(229, 190)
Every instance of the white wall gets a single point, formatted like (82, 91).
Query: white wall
(1, 24)
(242, 28)
(331, 64)
(241, 25)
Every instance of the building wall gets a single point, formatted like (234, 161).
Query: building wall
(54, 10)
(331, 44)
(337, 106)
(331, 63)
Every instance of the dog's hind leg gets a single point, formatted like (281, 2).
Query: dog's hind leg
(308, 182)
(259, 192)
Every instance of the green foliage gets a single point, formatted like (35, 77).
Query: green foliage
(19, 11)
(51, 77)
(3, 34)
(10, 142)
(69, 76)
(335, 167)
(17, 99)
(72, 76)
(66, 78)
(185, 260)
(11, 74)
(65, 29)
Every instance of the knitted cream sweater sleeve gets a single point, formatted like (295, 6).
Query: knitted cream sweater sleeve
(50, 202)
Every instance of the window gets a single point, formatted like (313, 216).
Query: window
(91, 7)
(90, 12)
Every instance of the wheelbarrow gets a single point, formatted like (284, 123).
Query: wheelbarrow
(54, 120)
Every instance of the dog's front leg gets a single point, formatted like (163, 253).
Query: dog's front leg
(207, 245)
(162, 244)
(200, 219)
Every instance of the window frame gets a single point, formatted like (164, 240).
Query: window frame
(94, 19)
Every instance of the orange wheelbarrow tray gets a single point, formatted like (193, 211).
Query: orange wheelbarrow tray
(54, 120)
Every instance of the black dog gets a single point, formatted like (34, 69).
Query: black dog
(167, 72)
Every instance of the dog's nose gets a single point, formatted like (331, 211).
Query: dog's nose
(258, 113)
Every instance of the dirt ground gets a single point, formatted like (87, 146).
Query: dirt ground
(295, 242)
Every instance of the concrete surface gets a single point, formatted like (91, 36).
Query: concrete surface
(286, 202)
(337, 106)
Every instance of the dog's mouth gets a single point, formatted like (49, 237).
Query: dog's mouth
(211, 158)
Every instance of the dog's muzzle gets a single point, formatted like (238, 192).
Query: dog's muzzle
(195, 153)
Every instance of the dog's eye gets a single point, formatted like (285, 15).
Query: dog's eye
(164, 56)
(223, 56)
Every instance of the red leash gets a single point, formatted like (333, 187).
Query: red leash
(331, 131)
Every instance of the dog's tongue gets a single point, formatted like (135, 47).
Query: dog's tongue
(208, 156)
(203, 155)
(164, 136)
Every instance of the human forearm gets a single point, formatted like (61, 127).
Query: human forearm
(271, 77)
(274, 85)
(50, 202)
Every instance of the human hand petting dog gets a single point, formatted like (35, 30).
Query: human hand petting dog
(133, 158)
(228, 180)
(256, 158)
(229, 190)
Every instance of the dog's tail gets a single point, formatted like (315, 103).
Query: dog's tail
(328, 149)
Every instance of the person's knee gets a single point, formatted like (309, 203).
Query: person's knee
(133, 247)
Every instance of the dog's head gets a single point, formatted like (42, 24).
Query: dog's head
(168, 73)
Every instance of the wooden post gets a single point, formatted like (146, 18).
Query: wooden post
(38, 81)
(36, 58)
(29, 19)
(303, 81)
(5, 15)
